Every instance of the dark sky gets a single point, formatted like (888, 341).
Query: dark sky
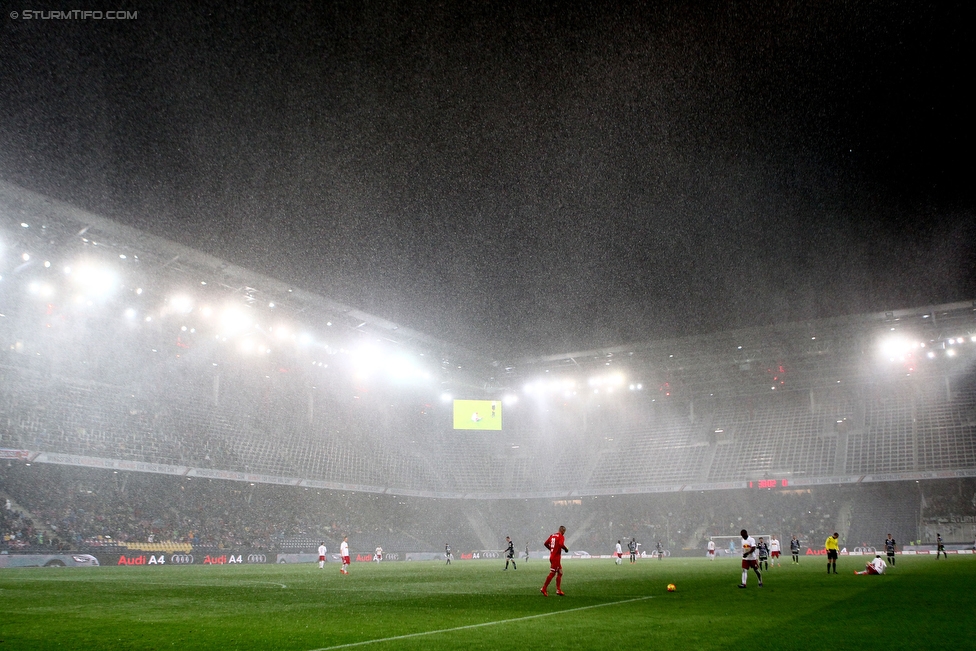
(523, 177)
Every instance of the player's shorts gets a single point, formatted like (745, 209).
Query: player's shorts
(556, 564)
(619, 555)
(345, 559)
(774, 554)
(321, 558)
(711, 552)
(831, 554)
(871, 570)
(750, 565)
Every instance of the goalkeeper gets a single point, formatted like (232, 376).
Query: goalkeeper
(749, 558)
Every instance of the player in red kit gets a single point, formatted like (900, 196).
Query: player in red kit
(556, 544)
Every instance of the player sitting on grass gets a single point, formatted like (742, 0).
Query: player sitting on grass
(877, 566)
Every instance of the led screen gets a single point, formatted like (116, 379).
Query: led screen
(478, 414)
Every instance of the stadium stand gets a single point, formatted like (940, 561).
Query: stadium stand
(123, 353)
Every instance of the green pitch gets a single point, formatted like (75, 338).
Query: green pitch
(922, 603)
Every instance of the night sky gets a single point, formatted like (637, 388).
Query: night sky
(523, 178)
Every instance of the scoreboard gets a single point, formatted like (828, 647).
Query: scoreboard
(770, 483)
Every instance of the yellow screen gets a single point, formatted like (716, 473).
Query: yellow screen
(478, 414)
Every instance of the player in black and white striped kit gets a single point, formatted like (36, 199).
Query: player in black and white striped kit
(763, 550)
(510, 553)
(890, 549)
(795, 549)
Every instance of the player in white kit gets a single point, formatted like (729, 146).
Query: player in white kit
(877, 566)
(749, 561)
(344, 553)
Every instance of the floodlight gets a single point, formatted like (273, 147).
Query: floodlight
(365, 360)
(282, 332)
(234, 320)
(93, 280)
(446, 397)
(44, 290)
(896, 347)
(509, 399)
(181, 303)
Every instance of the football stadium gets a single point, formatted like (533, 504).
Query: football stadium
(164, 411)
(487, 325)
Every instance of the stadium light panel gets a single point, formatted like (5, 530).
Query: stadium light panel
(365, 360)
(181, 304)
(282, 333)
(94, 281)
(43, 290)
(233, 321)
(897, 347)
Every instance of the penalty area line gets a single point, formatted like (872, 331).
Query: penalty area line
(482, 625)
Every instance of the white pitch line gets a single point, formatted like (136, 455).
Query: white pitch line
(483, 624)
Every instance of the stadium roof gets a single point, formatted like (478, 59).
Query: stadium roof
(802, 354)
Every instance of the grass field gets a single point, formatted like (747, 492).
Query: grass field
(921, 603)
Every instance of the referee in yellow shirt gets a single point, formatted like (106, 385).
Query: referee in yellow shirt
(832, 551)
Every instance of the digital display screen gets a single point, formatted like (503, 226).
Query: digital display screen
(478, 414)
(769, 483)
